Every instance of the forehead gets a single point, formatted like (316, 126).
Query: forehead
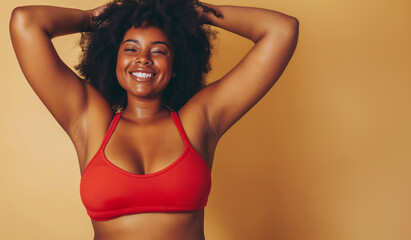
(146, 34)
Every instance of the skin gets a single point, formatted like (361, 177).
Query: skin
(85, 115)
(144, 50)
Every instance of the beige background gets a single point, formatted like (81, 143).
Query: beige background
(324, 156)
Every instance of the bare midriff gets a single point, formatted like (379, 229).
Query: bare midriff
(152, 226)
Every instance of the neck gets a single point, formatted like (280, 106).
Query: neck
(144, 109)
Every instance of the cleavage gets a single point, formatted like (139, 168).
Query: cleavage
(144, 149)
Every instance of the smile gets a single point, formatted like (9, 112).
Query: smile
(142, 74)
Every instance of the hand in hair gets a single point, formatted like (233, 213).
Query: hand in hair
(97, 11)
(203, 8)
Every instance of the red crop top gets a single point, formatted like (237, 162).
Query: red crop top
(108, 191)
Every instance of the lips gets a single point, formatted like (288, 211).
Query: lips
(143, 74)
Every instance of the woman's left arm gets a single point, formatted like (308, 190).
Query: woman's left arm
(275, 36)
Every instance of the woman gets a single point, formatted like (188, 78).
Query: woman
(146, 171)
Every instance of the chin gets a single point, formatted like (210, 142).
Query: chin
(144, 94)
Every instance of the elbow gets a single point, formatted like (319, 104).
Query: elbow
(18, 15)
(290, 27)
(286, 27)
(289, 30)
(292, 32)
(20, 18)
(293, 28)
(294, 25)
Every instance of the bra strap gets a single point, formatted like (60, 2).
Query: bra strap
(111, 128)
(177, 122)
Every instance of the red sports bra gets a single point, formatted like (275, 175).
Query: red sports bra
(108, 191)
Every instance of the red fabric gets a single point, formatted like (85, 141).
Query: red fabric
(108, 191)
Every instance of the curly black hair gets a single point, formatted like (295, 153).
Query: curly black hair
(177, 18)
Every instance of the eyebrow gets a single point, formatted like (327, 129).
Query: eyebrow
(153, 43)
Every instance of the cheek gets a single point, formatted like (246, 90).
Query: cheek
(120, 67)
(120, 76)
(120, 63)
(167, 65)
(118, 71)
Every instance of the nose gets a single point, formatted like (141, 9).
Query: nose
(144, 59)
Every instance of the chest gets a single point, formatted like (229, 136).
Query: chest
(144, 149)
(144, 168)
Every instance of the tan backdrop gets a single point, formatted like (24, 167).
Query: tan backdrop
(324, 156)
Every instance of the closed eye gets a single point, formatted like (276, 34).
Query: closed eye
(159, 52)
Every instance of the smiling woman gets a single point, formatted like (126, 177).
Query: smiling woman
(144, 62)
(181, 29)
(146, 170)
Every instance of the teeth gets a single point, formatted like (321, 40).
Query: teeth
(142, 75)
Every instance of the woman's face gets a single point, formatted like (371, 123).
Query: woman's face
(144, 62)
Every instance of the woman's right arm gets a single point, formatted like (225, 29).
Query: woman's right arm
(69, 98)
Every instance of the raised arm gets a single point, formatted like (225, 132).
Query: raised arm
(275, 36)
(65, 95)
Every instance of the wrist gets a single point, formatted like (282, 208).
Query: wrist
(206, 14)
(94, 13)
(89, 23)
(206, 11)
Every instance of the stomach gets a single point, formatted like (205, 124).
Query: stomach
(152, 226)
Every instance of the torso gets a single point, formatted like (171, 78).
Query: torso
(144, 148)
(152, 226)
